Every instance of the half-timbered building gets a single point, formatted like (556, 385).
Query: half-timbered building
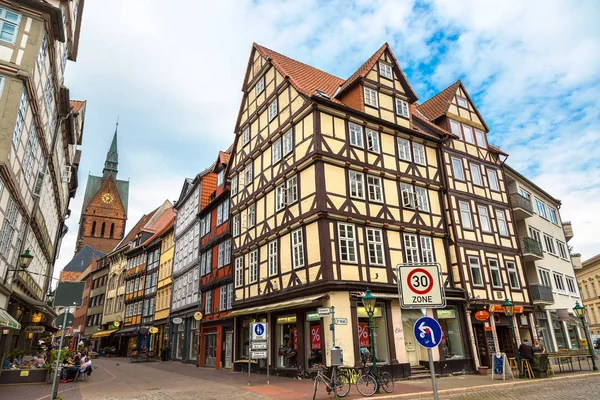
(333, 183)
(216, 280)
(185, 302)
(484, 249)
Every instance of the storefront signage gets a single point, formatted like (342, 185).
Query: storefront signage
(341, 321)
(198, 315)
(482, 315)
(420, 286)
(428, 332)
(446, 314)
(312, 317)
(498, 309)
(153, 330)
(257, 355)
(34, 329)
(363, 334)
(323, 311)
(487, 327)
(24, 373)
(315, 337)
(259, 331)
(177, 320)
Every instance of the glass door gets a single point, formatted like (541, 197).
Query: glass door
(210, 350)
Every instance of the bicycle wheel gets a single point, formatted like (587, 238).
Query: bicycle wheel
(316, 387)
(366, 385)
(386, 382)
(342, 385)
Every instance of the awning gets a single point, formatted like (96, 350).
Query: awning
(277, 306)
(104, 333)
(7, 321)
(127, 331)
(393, 296)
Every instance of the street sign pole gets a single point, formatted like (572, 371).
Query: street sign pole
(333, 327)
(431, 368)
(62, 338)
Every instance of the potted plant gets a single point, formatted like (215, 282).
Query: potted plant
(164, 353)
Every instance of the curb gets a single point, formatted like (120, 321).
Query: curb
(506, 385)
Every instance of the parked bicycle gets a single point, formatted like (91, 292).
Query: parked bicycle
(338, 383)
(368, 383)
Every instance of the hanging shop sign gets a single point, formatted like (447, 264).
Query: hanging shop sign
(482, 315)
(177, 320)
(34, 329)
(153, 330)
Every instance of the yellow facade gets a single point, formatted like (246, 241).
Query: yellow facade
(164, 287)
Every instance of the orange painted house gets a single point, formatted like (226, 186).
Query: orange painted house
(216, 280)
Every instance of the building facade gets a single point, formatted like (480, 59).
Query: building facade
(588, 278)
(164, 290)
(96, 299)
(185, 301)
(40, 132)
(216, 279)
(548, 263)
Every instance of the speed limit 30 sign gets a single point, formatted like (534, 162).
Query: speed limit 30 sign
(420, 286)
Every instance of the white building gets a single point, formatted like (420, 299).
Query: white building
(40, 131)
(547, 260)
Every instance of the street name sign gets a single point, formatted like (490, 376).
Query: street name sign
(259, 345)
(323, 311)
(341, 321)
(257, 355)
(420, 286)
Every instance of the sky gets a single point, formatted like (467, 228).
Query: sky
(173, 77)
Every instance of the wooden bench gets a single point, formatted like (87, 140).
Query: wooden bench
(581, 354)
(562, 357)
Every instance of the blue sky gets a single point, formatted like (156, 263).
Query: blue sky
(173, 75)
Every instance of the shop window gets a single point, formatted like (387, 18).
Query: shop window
(573, 338)
(379, 333)
(244, 339)
(314, 337)
(180, 337)
(194, 336)
(286, 337)
(452, 344)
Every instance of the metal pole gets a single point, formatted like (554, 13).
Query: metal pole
(517, 356)
(62, 337)
(332, 326)
(432, 372)
(249, 351)
(373, 351)
(589, 343)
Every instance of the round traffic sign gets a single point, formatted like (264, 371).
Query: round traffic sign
(259, 329)
(420, 281)
(428, 332)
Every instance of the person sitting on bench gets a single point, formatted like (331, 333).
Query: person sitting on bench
(526, 351)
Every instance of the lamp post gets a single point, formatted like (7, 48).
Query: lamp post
(25, 259)
(369, 303)
(509, 310)
(580, 312)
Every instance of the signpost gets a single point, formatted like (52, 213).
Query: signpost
(259, 345)
(420, 286)
(341, 321)
(323, 311)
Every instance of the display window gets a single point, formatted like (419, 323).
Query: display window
(179, 338)
(243, 348)
(194, 337)
(314, 336)
(452, 344)
(379, 334)
(286, 338)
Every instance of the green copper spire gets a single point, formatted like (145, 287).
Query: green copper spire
(112, 157)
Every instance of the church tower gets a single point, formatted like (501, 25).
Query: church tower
(104, 210)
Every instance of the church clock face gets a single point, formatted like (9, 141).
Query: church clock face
(107, 198)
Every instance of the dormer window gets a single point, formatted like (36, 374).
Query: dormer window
(371, 97)
(220, 177)
(260, 86)
(322, 93)
(462, 102)
(385, 70)
(402, 108)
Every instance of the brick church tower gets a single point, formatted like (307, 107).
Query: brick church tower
(104, 210)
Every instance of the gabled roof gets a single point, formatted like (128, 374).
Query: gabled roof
(364, 69)
(438, 105)
(81, 260)
(77, 104)
(190, 183)
(303, 77)
(222, 159)
(136, 229)
(94, 184)
(162, 223)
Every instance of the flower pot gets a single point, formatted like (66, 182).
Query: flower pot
(483, 370)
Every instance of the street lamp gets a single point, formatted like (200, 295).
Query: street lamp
(368, 301)
(580, 312)
(509, 310)
(25, 259)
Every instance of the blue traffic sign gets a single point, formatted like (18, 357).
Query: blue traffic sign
(428, 332)
(259, 329)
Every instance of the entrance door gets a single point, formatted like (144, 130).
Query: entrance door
(210, 350)
(410, 343)
(482, 344)
(228, 348)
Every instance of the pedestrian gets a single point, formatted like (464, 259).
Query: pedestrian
(538, 348)
(526, 351)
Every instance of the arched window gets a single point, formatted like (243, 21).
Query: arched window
(112, 230)
(102, 230)
(93, 228)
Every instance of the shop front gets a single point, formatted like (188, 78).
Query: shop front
(216, 344)
(185, 338)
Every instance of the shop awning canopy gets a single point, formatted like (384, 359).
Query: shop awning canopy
(104, 333)
(277, 306)
(7, 320)
(128, 331)
(393, 296)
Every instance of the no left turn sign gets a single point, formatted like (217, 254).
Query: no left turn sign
(420, 286)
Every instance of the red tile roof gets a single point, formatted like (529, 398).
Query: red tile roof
(416, 115)
(137, 228)
(163, 222)
(304, 78)
(496, 149)
(438, 104)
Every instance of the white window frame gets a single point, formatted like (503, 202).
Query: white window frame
(559, 283)
(562, 250)
(419, 154)
(385, 70)
(260, 86)
(273, 258)
(357, 184)
(253, 266)
(468, 134)
(347, 242)
(422, 198)
(484, 219)
(355, 132)
(502, 224)
(552, 215)
(427, 253)
(571, 285)
(402, 108)
(545, 279)
(251, 216)
(375, 188)
(460, 99)
(372, 138)
(458, 169)
(476, 176)
(511, 267)
(239, 272)
(208, 303)
(246, 136)
(249, 174)
(4, 21)
(475, 266)
(408, 196)
(21, 114)
(465, 214)
(370, 96)
(220, 177)
(493, 179)
(276, 151)
(495, 271)
(236, 225)
(234, 185)
(288, 142)
(280, 197)
(480, 137)
(411, 248)
(272, 112)
(297, 249)
(456, 129)
(375, 246)
(404, 149)
(541, 208)
(41, 58)
(549, 244)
